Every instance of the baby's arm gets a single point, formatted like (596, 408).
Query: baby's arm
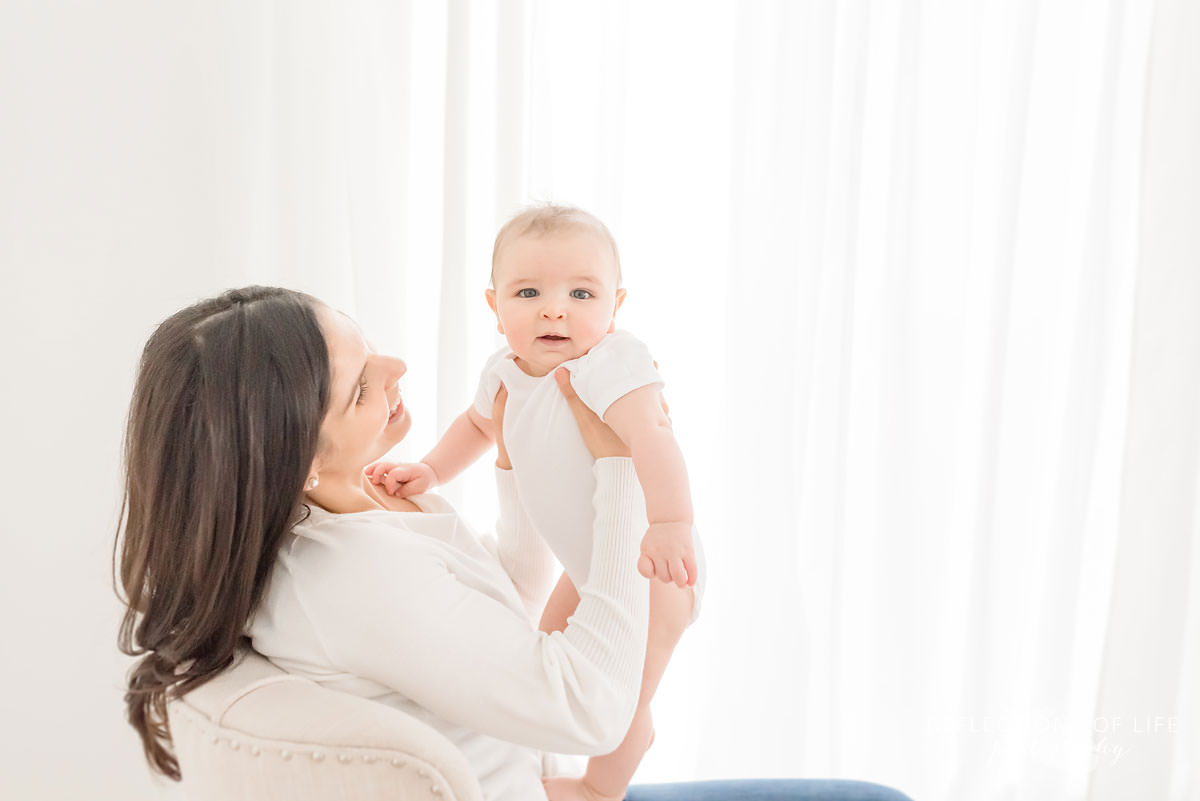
(667, 550)
(467, 438)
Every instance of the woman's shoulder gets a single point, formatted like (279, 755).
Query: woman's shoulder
(328, 558)
(396, 528)
(361, 535)
(332, 567)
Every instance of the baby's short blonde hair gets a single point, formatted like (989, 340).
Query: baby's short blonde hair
(551, 218)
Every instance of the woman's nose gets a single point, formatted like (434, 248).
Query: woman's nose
(398, 366)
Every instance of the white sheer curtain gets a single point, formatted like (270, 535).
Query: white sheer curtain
(1149, 697)
(887, 254)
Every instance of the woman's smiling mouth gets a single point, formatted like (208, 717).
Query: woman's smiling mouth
(397, 411)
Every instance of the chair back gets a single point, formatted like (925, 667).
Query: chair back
(257, 732)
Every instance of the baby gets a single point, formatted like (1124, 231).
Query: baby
(556, 278)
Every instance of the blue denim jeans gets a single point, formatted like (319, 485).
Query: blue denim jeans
(765, 790)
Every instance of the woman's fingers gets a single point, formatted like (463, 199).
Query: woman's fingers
(502, 460)
(499, 403)
(562, 377)
(661, 400)
(601, 440)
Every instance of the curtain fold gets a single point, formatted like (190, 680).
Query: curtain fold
(1146, 701)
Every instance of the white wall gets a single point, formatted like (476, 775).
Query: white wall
(104, 230)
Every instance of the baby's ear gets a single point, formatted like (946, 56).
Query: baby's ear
(620, 299)
(490, 294)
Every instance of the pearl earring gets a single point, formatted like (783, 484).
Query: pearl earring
(312, 484)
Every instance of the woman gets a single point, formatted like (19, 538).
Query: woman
(253, 417)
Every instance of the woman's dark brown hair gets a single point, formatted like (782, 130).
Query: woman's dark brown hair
(222, 431)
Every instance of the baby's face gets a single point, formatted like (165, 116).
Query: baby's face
(555, 297)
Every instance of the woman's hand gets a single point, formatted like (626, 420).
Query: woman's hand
(502, 460)
(601, 440)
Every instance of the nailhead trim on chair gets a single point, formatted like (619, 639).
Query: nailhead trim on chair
(197, 719)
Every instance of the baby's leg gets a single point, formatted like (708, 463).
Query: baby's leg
(560, 606)
(670, 613)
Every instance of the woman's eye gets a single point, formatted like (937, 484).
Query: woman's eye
(580, 294)
(362, 392)
(527, 293)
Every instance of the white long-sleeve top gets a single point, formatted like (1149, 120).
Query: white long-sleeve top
(414, 610)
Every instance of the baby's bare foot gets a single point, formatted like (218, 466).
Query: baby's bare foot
(566, 788)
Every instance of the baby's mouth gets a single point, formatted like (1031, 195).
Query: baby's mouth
(553, 338)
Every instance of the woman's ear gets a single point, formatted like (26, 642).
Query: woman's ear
(491, 299)
(318, 462)
(313, 479)
(612, 326)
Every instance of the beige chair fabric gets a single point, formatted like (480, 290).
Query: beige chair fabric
(256, 732)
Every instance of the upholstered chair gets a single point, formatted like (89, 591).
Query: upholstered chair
(256, 732)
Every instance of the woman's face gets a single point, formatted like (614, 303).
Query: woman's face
(366, 416)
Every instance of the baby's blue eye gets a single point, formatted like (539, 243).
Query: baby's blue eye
(532, 293)
(580, 294)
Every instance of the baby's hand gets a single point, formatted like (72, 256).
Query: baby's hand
(667, 554)
(402, 479)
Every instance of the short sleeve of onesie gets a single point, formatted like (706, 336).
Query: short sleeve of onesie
(616, 366)
(489, 383)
